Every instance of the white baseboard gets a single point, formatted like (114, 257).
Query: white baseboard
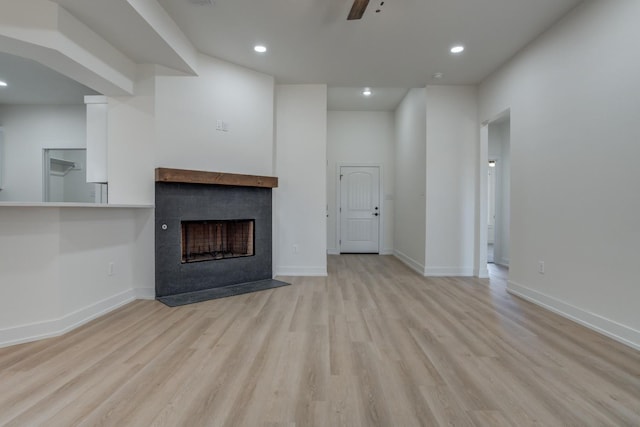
(610, 328)
(503, 262)
(482, 273)
(448, 271)
(300, 271)
(386, 251)
(145, 293)
(54, 327)
(333, 251)
(410, 262)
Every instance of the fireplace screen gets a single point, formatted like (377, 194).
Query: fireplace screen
(213, 240)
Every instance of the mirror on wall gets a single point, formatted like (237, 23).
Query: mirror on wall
(65, 178)
(42, 126)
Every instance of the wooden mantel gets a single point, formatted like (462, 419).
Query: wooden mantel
(217, 178)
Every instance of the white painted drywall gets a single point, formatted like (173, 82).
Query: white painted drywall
(131, 140)
(187, 109)
(499, 150)
(301, 166)
(28, 129)
(410, 179)
(45, 32)
(167, 29)
(28, 285)
(2, 157)
(574, 98)
(54, 265)
(96, 138)
(452, 144)
(361, 137)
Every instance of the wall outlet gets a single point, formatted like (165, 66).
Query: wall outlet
(110, 269)
(541, 267)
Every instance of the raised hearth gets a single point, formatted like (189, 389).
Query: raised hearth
(213, 235)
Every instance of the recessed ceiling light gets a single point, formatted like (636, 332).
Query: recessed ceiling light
(3, 83)
(438, 76)
(457, 49)
(366, 91)
(260, 48)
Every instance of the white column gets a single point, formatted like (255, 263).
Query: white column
(96, 138)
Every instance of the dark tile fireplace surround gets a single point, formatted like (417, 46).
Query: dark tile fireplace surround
(214, 200)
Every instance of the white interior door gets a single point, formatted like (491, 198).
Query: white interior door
(359, 209)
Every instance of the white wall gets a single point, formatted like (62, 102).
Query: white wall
(301, 166)
(28, 129)
(187, 109)
(573, 95)
(54, 267)
(499, 150)
(67, 284)
(361, 137)
(410, 179)
(131, 143)
(452, 143)
(2, 157)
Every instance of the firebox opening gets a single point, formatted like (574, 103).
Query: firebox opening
(217, 239)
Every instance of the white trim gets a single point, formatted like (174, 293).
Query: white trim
(480, 252)
(410, 262)
(333, 251)
(145, 293)
(503, 262)
(95, 99)
(448, 271)
(339, 166)
(386, 251)
(482, 274)
(300, 271)
(610, 328)
(54, 327)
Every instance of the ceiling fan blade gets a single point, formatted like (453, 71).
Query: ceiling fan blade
(357, 10)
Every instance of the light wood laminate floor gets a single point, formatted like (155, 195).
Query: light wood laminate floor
(374, 344)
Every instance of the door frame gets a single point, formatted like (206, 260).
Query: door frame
(338, 214)
(480, 254)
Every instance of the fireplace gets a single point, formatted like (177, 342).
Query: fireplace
(216, 239)
(213, 235)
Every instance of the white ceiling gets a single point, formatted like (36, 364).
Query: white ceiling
(310, 41)
(123, 27)
(351, 99)
(29, 82)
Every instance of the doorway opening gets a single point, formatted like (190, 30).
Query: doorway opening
(491, 214)
(65, 177)
(499, 190)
